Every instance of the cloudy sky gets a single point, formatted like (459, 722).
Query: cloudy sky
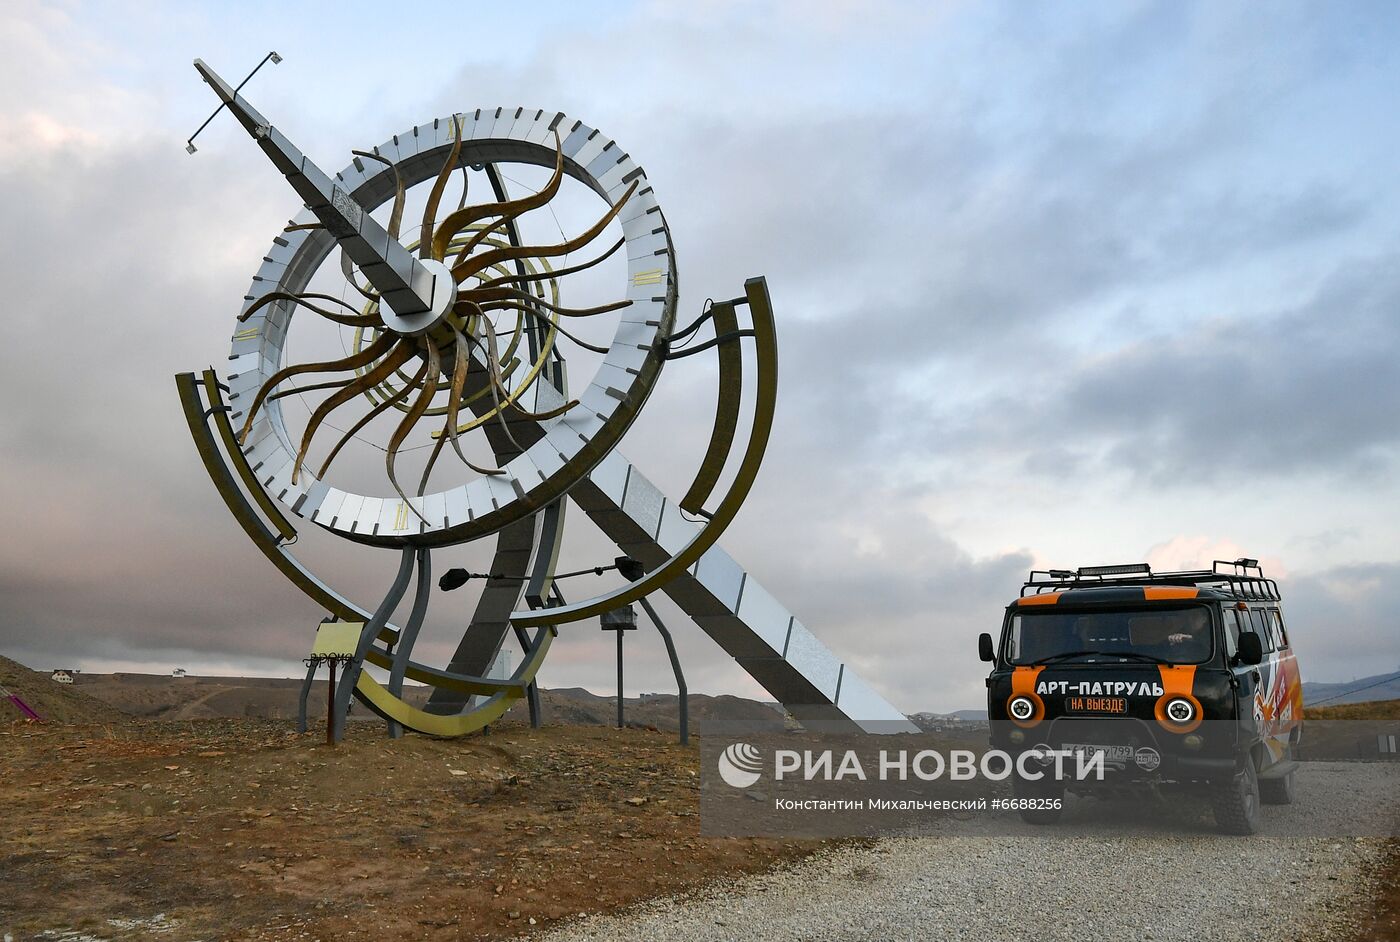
(1057, 284)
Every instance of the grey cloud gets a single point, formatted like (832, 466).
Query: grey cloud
(1312, 389)
(1342, 620)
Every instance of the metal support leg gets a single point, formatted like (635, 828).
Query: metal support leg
(409, 634)
(305, 695)
(331, 735)
(675, 666)
(619, 679)
(532, 692)
(341, 703)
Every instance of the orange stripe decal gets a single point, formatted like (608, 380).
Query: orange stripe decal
(1023, 680)
(1049, 598)
(1154, 592)
(1177, 679)
(1023, 685)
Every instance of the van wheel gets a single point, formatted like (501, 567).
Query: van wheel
(1279, 791)
(1236, 801)
(1045, 795)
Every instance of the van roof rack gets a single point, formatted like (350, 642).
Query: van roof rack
(1239, 578)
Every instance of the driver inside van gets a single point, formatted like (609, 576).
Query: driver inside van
(1163, 636)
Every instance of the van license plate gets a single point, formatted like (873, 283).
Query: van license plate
(1111, 753)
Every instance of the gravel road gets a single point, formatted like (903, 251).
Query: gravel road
(1154, 884)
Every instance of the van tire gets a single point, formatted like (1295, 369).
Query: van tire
(1279, 791)
(1236, 801)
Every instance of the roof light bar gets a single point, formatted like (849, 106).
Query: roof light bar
(1121, 570)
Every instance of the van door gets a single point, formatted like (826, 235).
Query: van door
(1272, 703)
(1291, 678)
(1245, 676)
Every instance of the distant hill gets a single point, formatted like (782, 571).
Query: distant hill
(1370, 710)
(944, 722)
(161, 696)
(1378, 687)
(54, 702)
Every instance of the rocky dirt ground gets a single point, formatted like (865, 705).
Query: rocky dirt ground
(229, 829)
(120, 829)
(1379, 917)
(1103, 874)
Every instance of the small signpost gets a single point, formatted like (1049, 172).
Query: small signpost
(335, 644)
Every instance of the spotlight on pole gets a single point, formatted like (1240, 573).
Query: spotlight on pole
(453, 579)
(629, 568)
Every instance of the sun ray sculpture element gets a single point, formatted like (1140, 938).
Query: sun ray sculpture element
(460, 333)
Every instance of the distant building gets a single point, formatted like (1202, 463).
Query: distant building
(178, 672)
(63, 676)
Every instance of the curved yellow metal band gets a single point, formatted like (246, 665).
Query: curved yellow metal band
(503, 693)
(483, 686)
(217, 466)
(731, 387)
(766, 352)
(240, 464)
(372, 693)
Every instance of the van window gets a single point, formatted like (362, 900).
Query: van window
(1261, 628)
(1276, 626)
(1232, 631)
(1171, 635)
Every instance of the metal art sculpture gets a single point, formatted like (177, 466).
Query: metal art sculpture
(460, 332)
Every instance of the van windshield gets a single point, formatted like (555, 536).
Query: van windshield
(1170, 636)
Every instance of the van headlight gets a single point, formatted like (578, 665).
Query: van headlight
(1180, 711)
(1021, 708)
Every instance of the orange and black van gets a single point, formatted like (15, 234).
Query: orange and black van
(1180, 680)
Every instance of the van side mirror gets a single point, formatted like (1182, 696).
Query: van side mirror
(985, 649)
(1251, 648)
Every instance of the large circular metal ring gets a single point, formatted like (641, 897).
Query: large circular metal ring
(573, 443)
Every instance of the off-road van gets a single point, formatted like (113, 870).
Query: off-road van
(1182, 680)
